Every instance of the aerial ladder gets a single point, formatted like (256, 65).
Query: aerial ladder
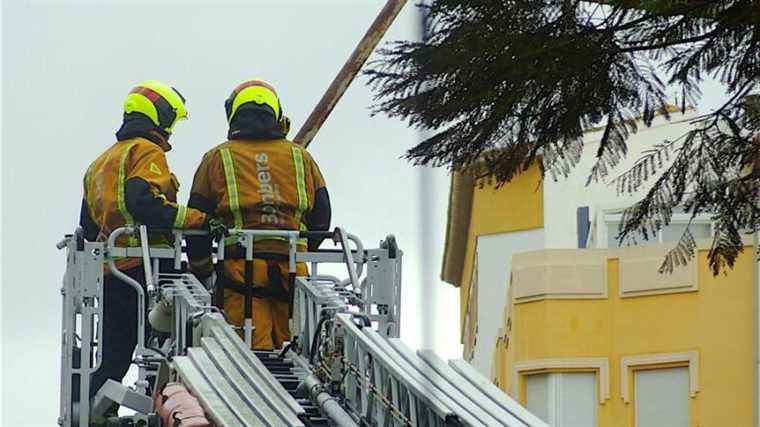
(345, 365)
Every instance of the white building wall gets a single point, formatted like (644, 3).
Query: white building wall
(563, 196)
(494, 254)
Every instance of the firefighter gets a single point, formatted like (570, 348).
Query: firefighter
(130, 183)
(258, 180)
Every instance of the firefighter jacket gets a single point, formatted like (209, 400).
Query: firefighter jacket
(258, 184)
(130, 184)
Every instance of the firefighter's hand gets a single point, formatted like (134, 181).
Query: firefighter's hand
(216, 228)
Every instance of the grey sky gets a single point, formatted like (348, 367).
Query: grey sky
(67, 66)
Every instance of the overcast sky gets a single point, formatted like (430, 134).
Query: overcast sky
(67, 66)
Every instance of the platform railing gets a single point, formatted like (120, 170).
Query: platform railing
(82, 297)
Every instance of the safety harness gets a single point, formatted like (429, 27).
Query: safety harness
(276, 288)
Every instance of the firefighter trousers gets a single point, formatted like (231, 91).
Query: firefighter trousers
(270, 314)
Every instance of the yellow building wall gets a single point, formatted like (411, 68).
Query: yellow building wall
(717, 321)
(516, 206)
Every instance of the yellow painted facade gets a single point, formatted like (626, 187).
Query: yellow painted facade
(713, 319)
(516, 206)
(716, 321)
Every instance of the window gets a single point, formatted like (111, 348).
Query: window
(673, 232)
(662, 397)
(700, 228)
(563, 399)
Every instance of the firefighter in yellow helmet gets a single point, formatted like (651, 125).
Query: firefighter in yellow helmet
(258, 180)
(129, 184)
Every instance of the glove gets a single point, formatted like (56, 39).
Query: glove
(216, 229)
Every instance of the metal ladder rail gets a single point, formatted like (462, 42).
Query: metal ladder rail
(189, 299)
(311, 302)
(297, 376)
(248, 363)
(232, 383)
(467, 391)
(469, 414)
(422, 406)
(469, 374)
(195, 381)
(446, 386)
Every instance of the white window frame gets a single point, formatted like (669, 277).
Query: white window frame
(651, 361)
(600, 365)
(555, 380)
(607, 217)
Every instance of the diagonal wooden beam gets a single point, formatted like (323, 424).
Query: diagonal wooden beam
(349, 71)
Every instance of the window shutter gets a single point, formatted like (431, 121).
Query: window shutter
(662, 397)
(583, 224)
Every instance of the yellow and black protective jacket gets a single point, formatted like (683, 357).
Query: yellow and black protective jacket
(129, 184)
(270, 184)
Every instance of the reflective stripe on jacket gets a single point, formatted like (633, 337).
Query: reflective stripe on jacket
(258, 184)
(152, 200)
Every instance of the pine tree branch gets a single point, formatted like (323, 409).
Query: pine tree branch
(689, 40)
(499, 81)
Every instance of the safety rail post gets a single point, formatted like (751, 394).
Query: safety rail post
(146, 259)
(82, 295)
(292, 249)
(248, 305)
(218, 297)
(343, 239)
(177, 249)
(140, 348)
(67, 334)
